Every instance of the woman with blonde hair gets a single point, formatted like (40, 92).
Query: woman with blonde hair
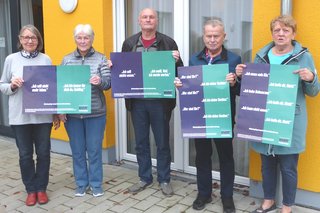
(284, 49)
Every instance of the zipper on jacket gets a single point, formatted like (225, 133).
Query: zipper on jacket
(270, 150)
(264, 60)
(296, 56)
(82, 62)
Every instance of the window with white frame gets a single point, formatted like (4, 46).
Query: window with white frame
(237, 17)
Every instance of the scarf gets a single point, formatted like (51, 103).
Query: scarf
(26, 54)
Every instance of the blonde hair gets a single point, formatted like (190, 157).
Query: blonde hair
(286, 20)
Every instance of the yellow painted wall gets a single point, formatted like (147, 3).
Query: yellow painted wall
(306, 15)
(58, 34)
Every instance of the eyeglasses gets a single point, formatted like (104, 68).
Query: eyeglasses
(27, 38)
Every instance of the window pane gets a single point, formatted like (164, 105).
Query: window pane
(237, 18)
(164, 9)
(5, 49)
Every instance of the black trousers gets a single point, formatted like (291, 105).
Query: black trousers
(204, 166)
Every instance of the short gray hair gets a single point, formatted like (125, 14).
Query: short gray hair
(213, 22)
(83, 28)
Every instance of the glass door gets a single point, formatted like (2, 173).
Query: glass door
(182, 20)
(5, 50)
(13, 15)
(165, 16)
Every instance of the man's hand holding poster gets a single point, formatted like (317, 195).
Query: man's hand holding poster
(267, 103)
(143, 74)
(205, 101)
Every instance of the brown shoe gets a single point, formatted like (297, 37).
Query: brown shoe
(31, 199)
(42, 197)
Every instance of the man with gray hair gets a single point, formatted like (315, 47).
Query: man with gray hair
(215, 53)
(154, 113)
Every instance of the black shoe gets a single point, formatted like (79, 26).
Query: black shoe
(228, 205)
(273, 208)
(201, 202)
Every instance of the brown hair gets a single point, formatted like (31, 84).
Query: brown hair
(36, 32)
(286, 20)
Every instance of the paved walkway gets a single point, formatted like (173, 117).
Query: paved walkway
(116, 198)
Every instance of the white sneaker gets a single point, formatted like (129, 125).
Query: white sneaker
(80, 191)
(97, 191)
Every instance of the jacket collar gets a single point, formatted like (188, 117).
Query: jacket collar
(78, 55)
(158, 36)
(297, 51)
(223, 55)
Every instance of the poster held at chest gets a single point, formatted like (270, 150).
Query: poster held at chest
(205, 101)
(143, 74)
(56, 89)
(267, 104)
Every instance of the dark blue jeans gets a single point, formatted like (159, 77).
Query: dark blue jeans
(288, 167)
(204, 166)
(146, 113)
(30, 137)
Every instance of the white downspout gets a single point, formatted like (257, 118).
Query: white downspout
(286, 7)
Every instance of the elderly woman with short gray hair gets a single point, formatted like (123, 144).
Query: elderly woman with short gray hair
(86, 131)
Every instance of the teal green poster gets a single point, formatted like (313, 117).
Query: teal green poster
(158, 74)
(74, 89)
(281, 105)
(217, 99)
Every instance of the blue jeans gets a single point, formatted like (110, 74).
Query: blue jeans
(288, 167)
(146, 113)
(204, 166)
(86, 137)
(30, 137)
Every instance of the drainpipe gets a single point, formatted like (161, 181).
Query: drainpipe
(286, 7)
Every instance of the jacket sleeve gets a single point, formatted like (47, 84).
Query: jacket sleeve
(125, 47)
(105, 74)
(179, 63)
(5, 86)
(237, 87)
(311, 88)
